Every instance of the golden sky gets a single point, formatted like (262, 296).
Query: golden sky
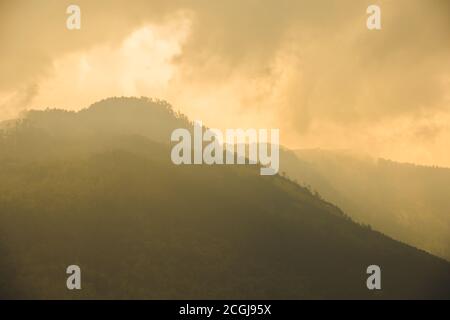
(310, 68)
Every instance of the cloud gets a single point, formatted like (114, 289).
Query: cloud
(310, 68)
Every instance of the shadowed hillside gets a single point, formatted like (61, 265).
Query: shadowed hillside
(405, 201)
(97, 189)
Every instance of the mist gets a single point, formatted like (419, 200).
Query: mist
(313, 70)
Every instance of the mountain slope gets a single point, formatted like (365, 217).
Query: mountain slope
(405, 201)
(141, 227)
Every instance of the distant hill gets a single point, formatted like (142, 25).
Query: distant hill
(411, 203)
(97, 189)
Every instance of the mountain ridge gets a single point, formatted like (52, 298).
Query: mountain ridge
(142, 227)
(407, 202)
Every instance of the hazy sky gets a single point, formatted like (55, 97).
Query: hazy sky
(310, 68)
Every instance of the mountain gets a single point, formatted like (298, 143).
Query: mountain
(405, 201)
(97, 188)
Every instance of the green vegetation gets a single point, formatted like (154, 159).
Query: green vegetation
(407, 202)
(97, 189)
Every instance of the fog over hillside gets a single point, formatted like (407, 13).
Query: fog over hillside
(97, 188)
(408, 202)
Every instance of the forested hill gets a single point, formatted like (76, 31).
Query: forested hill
(408, 202)
(97, 189)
